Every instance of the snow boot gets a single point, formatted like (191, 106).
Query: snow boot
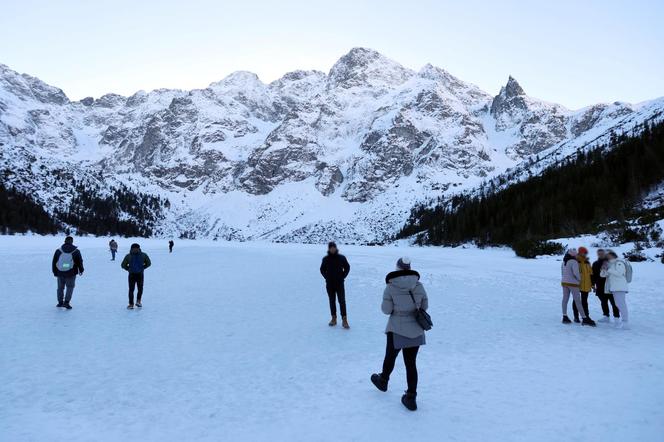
(68, 306)
(344, 323)
(333, 321)
(408, 401)
(576, 320)
(622, 325)
(138, 304)
(60, 304)
(566, 320)
(588, 321)
(379, 381)
(130, 307)
(604, 319)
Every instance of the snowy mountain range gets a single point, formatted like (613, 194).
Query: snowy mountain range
(308, 157)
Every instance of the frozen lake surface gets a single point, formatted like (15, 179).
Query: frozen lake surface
(233, 344)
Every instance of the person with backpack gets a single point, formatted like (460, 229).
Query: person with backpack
(335, 269)
(618, 274)
(571, 281)
(113, 246)
(67, 263)
(585, 284)
(135, 263)
(599, 283)
(170, 246)
(404, 294)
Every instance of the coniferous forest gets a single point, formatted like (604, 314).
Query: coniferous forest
(19, 213)
(574, 197)
(121, 212)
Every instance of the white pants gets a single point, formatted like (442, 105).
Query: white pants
(621, 302)
(576, 294)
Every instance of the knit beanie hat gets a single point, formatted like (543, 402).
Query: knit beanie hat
(135, 246)
(583, 250)
(403, 263)
(331, 244)
(572, 252)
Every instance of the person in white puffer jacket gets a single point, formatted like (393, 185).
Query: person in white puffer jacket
(615, 271)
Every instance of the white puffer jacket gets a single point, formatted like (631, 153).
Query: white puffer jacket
(615, 277)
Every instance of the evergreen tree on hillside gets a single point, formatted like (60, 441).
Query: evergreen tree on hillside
(566, 199)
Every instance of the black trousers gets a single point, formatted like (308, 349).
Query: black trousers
(336, 290)
(605, 299)
(584, 302)
(409, 360)
(135, 280)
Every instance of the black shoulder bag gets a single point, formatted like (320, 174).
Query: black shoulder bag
(421, 316)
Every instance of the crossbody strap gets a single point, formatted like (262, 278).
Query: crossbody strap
(413, 298)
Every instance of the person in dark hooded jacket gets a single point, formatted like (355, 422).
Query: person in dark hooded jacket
(135, 263)
(335, 269)
(67, 263)
(403, 295)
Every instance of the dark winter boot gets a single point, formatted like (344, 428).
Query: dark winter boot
(68, 306)
(379, 381)
(138, 304)
(130, 307)
(333, 321)
(344, 322)
(408, 401)
(576, 319)
(60, 304)
(588, 321)
(566, 320)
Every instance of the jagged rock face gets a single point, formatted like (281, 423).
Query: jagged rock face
(243, 159)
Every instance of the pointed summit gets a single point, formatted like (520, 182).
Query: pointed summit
(512, 88)
(511, 96)
(366, 67)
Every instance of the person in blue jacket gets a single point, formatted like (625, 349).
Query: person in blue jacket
(135, 263)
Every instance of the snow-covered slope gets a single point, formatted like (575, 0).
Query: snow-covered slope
(307, 157)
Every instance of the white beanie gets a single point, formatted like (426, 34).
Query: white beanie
(403, 263)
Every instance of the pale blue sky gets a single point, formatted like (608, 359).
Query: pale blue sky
(572, 52)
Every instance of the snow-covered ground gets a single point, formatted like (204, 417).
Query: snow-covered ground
(233, 344)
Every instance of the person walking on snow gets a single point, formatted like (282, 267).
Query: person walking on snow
(170, 246)
(335, 269)
(403, 295)
(586, 284)
(113, 246)
(135, 263)
(570, 281)
(615, 272)
(599, 283)
(67, 263)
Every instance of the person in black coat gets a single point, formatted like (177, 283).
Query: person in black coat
(67, 263)
(335, 269)
(599, 283)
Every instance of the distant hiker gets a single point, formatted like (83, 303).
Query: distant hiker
(403, 295)
(335, 269)
(135, 262)
(599, 282)
(67, 263)
(571, 280)
(586, 284)
(113, 246)
(170, 246)
(618, 276)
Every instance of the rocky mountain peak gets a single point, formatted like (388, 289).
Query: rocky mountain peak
(512, 88)
(366, 67)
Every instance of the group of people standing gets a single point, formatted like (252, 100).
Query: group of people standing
(608, 276)
(67, 264)
(404, 294)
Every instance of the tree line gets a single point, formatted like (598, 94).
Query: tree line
(573, 197)
(119, 212)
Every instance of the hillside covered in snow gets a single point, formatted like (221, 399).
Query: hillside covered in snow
(344, 154)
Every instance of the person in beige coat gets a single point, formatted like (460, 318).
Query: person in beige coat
(403, 294)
